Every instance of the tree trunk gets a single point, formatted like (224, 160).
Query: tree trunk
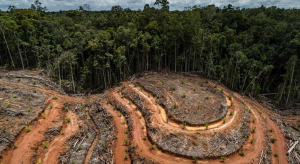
(12, 61)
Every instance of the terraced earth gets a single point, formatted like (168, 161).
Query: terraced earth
(150, 118)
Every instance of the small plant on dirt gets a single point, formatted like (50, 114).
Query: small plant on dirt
(252, 140)
(142, 127)
(126, 156)
(74, 162)
(249, 110)
(125, 142)
(266, 118)
(126, 131)
(224, 120)
(222, 159)
(194, 88)
(198, 106)
(222, 90)
(276, 154)
(242, 153)
(140, 116)
(243, 102)
(159, 111)
(55, 97)
(8, 105)
(34, 91)
(97, 116)
(144, 138)
(102, 143)
(162, 81)
(16, 87)
(175, 105)
(19, 80)
(45, 145)
(206, 81)
(229, 97)
(167, 119)
(201, 84)
(28, 129)
(231, 103)
(15, 96)
(122, 96)
(51, 106)
(68, 119)
(182, 81)
(105, 129)
(62, 132)
(34, 82)
(119, 114)
(0, 76)
(6, 119)
(123, 121)
(271, 130)
(206, 126)
(114, 108)
(152, 147)
(43, 116)
(183, 124)
(3, 130)
(79, 147)
(14, 146)
(29, 98)
(87, 135)
(259, 112)
(28, 109)
(195, 160)
(84, 115)
(253, 130)
(207, 97)
(173, 88)
(141, 88)
(253, 120)
(156, 102)
(183, 95)
(231, 113)
(107, 101)
(273, 139)
(66, 109)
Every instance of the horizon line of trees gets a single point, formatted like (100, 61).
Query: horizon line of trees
(253, 51)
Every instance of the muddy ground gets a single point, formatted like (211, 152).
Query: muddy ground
(137, 122)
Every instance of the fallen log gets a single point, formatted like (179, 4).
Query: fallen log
(291, 149)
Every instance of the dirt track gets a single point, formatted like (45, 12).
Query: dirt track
(30, 144)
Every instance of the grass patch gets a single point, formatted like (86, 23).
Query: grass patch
(253, 130)
(274, 139)
(55, 97)
(206, 126)
(195, 160)
(45, 145)
(43, 116)
(79, 147)
(34, 91)
(241, 152)
(28, 129)
(34, 82)
(183, 95)
(125, 142)
(144, 138)
(207, 97)
(222, 159)
(68, 119)
(152, 147)
(252, 140)
(28, 109)
(8, 105)
(15, 96)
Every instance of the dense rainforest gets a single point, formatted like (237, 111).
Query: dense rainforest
(250, 50)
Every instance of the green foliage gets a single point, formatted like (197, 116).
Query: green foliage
(231, 113)
(43, 116)
(241, 152)
(195, 160)
(87, 135)
(14, 146)
(183, 95)
(79, 147)
(125, 142)
(15, 96)
(276, 154)
(222, 159)
(144, 138)
(45, 145)
(55, 97)
(126, 156)
(68, 119)
(34, 82)
(27, 128)
(8, 105)
(152, 147)
(253, 130)
(206, 126)
(274, 139)
(252, 140)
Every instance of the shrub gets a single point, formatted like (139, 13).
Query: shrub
(105, 129)
(126, 156)
(3, 130)
(206, 81)
(222, 159)
(253, 130)
(253, 120)
(66, 109)
(62, 132)
(194, 88)
(231, 113)
(84, 115)
(183, 124)
(6, 119)
(201, 84)
(122, 96)
(173, 88)
(14, 146)
(126, 131)
(207, 97)
(231, 103)
(276, 154)
(15, 96)
(249, 110)
(224, 120)
(229, 97)
(55, 97)
(259, 112)
(28, 129)
(79, 147)
(8, 105)
(43, 116)
(155, 101)
(51, 106)
(271, 130)
(144, 138)
(162, 81)
(16, 87)
(175, 105)
(274, 139)
(97, 116)
(119, 114)
(252, 140)
(29, 98)
(34, 82)
(206, 126)
(68, 119)
(87, 135)
(125, 142)
(183, 95)
(195, 160)
(242, 153)
(74, 162)
(45, 145)
(19, 80)
(34, 91)
(182, 81)
(152, 147)
(107, 101)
